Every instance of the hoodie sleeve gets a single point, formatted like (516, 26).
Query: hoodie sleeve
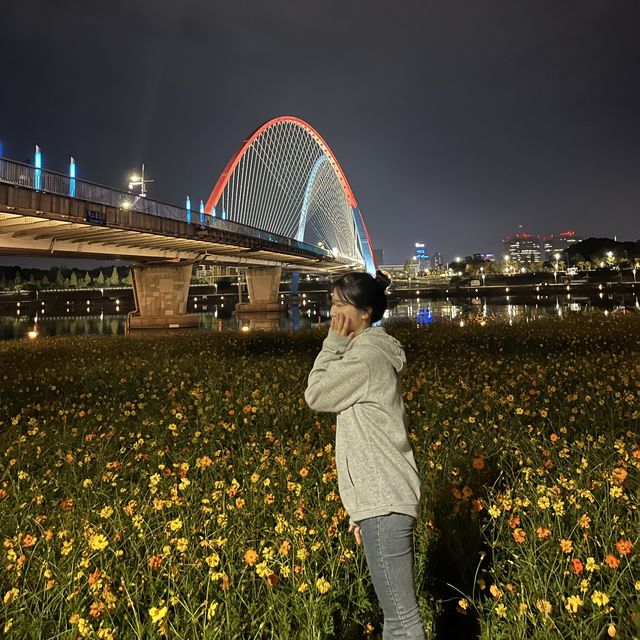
(337, 380)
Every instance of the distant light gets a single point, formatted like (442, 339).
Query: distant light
(245, 328)
(38, 165)
(126, 204)
(72, 177)
(188, 208)
(33, 334)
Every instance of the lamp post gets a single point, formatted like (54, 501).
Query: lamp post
(138, 180)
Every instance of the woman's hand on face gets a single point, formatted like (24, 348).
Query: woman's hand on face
(357, 533)
(340, 324)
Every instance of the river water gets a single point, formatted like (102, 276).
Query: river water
(104, 312)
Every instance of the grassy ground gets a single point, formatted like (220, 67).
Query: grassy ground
(179, 486)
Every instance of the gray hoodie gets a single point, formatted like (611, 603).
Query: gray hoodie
(359, 379)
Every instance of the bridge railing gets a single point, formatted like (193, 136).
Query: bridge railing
(29, 177)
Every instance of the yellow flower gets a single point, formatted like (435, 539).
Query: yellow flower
(616, 491)
(544, 606)
(263, 570)
(175, 525)
(501, 610)
(599, 598)
(67, 546)
(573, 603)
(11, 595)
(322, 585)
(590, 564)
(463, 603)
(544, 502)
(304, 587)
(157, 614)
(611, 630)
(213, 560)
(494, 511)
(211, 612)
(98, 542)
(106, 512)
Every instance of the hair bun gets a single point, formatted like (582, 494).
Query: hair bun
(383, 279)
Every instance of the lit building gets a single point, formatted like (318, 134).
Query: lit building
(558, 243)
(209, 271)
(522, 248)
(436, 262)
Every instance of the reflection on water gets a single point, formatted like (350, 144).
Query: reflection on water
(107, 316)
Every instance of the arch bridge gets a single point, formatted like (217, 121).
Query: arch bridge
(283, 200)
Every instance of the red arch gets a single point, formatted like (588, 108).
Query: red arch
(237, 156)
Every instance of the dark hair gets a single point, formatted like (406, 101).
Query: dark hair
(362, 290)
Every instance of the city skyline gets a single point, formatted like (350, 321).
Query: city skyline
(453, 125)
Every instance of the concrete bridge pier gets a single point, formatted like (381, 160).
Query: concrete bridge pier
(263, 284)
(161, 291)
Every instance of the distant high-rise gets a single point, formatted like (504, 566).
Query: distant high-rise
(558, 243)
(522, 247)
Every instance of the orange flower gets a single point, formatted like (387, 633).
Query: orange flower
(553, 437)
(577, 566)
(519, 536)
(285, 547)
(155, 562)
(624, 547)
(611, 561)
(251, 557)
(619, 474)
(28, 540)
(478, 463)
(273, 580)
(94, 577)
(66, 504)
(514, 522)
(543, 533)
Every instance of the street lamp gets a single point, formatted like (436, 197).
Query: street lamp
(557, 257)
(138, 180)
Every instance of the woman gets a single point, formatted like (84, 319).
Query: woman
(357, 375)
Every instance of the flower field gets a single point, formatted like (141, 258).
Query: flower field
(178, 486)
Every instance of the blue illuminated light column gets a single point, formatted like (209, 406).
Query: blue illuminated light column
(38, 166)
(1, 150)
(188, 208)
(202, 218)
(72, 177)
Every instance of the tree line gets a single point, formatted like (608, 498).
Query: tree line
(16, 278)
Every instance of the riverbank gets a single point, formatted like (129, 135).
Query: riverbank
(179, 484)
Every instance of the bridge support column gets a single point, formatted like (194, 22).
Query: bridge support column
(263, 284)
(161, 291)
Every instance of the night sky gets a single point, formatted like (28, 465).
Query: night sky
(455, 121)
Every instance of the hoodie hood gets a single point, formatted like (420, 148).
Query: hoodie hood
(388, 345)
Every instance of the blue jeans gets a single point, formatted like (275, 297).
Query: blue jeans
(388, 547)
